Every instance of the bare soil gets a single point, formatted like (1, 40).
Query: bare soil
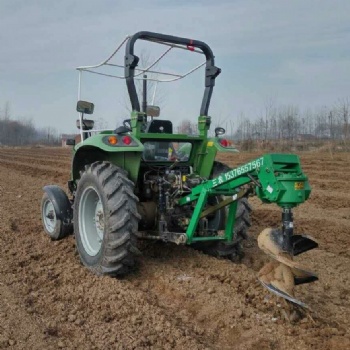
(178, 298)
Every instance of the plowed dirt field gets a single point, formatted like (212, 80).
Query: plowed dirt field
(178, 298)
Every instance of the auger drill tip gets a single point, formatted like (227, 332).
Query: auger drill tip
(281, 294)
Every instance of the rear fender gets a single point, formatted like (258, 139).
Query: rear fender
(96, 148)
(61, 203)
(214, 142)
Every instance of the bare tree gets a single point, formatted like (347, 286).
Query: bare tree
(269, 114)
(343, 112)
(7, 111)
(187, 127)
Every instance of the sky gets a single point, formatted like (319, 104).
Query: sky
(291, 52)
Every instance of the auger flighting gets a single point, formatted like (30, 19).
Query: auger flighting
(283, 274)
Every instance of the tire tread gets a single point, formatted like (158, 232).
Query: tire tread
(121, 219)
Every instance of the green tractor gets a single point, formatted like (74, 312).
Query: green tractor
(142, 181)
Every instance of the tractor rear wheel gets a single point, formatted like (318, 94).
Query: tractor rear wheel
(231, 250)
(106, 219)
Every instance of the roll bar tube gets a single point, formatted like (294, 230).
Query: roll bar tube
(131, 61)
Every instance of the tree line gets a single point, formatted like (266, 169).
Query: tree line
(285, 123)
(20, 132)
(275, 123)
(289, 123)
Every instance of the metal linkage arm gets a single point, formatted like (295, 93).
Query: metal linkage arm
(277, 178)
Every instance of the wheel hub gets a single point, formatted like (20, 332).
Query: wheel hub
(99, 219)
(49, 216)
(91, 221)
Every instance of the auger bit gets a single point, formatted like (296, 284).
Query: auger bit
(282, 275)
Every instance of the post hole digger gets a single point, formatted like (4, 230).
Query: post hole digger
(141, 180)
(274, 178)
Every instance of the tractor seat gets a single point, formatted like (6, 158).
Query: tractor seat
(160, 126)
(88, 124)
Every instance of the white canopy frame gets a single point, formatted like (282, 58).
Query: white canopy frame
(141, 71)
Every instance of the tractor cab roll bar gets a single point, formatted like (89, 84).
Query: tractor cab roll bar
(131, 61)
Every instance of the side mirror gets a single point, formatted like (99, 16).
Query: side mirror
(219, 131)
(153, 111)
(85, 107)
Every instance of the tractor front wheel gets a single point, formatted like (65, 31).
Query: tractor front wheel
(53, 226)
(56, 213)
(106, 219)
